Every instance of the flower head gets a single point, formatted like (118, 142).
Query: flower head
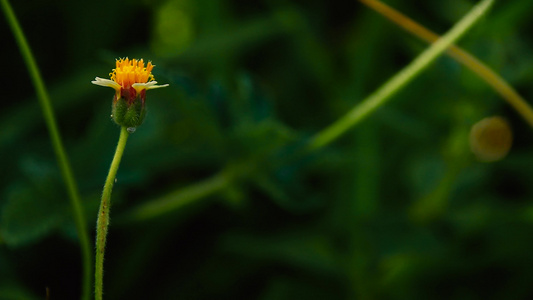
(130, 79)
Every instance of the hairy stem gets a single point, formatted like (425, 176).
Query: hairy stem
(102, 222)
(55, 137)
(391, 87)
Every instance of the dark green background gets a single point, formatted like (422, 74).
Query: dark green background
(397, 208)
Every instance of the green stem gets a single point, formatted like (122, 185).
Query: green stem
(62, 160)
(103, 214)
(492, 78)
(378, 98)
(175, 200)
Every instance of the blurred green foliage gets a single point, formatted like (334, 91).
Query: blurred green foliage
(398, 208)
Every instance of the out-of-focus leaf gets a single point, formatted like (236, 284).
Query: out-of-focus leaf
(14, 292)
(33, 209)
(293, 248)
(259, 140)
(293, 287)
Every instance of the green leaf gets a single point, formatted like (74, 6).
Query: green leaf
(34, 207)
(294, 248)
(28, 216)
(16, 293)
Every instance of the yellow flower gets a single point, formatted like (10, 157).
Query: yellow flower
(130, 79)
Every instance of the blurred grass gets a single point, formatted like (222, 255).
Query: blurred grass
(63, 163)
(254, 81)
(494, 80)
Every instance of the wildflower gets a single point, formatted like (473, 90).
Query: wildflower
(130, 79)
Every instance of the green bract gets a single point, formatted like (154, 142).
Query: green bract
(129, 114)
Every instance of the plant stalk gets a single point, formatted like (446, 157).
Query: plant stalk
(392, 86)
(102, 222)
(475, 65)
(55, 137)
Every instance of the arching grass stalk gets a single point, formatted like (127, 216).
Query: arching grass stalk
(384, 93)
(492, 78)
(182, 197)
(55, 137)
(103, 214)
